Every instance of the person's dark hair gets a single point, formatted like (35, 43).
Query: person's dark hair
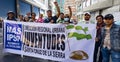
(67, 16)
(49, 11)
(109, 16)
(33, 13)
(99, 16)
(20, 15)
(62, 13)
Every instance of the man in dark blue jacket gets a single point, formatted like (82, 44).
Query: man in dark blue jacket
(110, 36)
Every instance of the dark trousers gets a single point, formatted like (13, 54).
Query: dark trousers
(97, 45)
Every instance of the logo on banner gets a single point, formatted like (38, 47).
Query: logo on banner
(79, 54)
(13, 36)
(77, 35)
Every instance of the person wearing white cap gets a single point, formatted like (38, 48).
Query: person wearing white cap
(87, 20)
(11, 16)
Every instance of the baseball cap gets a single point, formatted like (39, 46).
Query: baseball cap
(109, 16)
(10, 12)
(87, 13)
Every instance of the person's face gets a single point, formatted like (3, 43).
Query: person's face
(33, 15)
(41, 15)
(10, 15)
(62, 16)
(28, 14)
(26, 19)
(66, 15)
(108, 21)
(99, 19)
(49, 13)
(87, 17)
(21, 17)
(75, 21)
(66, 18)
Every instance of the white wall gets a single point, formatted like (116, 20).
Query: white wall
(116, 2)
(111, 10)
(115, 10)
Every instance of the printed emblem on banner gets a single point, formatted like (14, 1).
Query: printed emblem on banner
(13, 36)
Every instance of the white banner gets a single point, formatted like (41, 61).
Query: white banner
(58, 42)
(81, 40)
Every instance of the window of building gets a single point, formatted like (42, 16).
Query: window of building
(24, 7)
(36, 10)
(88, 3)
(94, 1)
(84, 4)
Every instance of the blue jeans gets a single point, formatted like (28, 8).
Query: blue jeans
(106, 55)
(115, 56)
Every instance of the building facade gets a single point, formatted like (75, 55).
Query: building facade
(51, 6)
(39, 6)
(96, 7)
(23, 6)
(73, 7)
(61, 5)
(79, 10)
